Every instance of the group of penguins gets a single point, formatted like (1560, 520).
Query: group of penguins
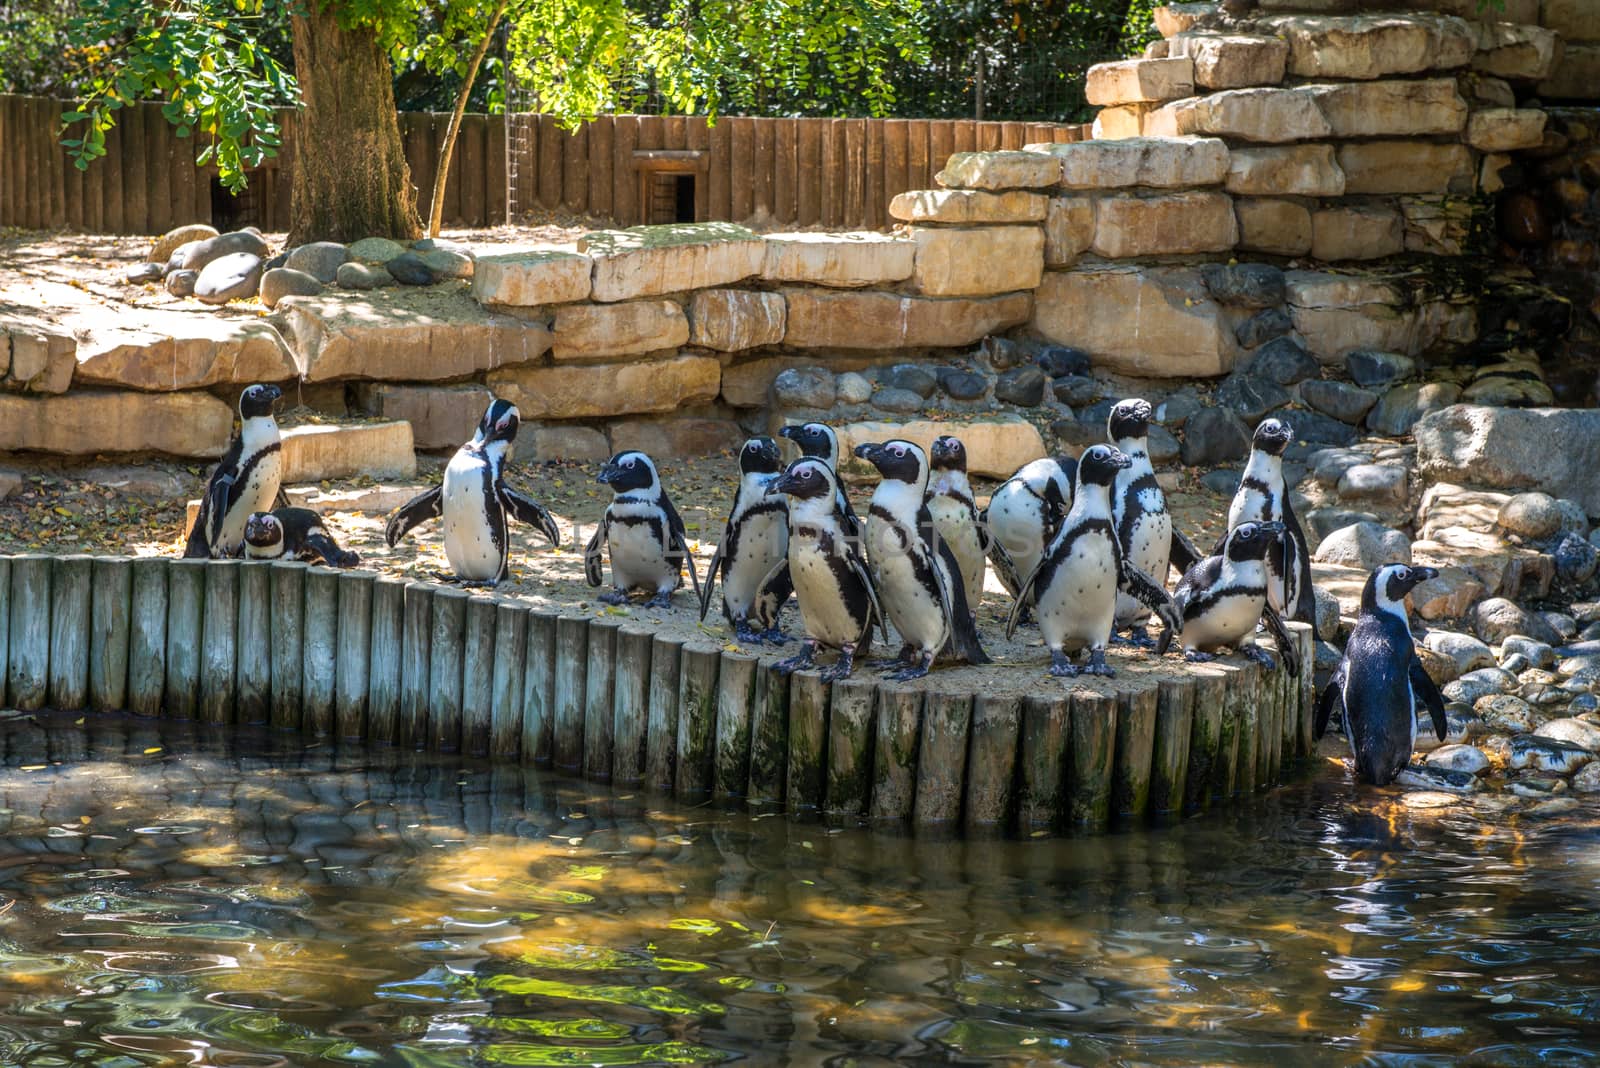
(1084, 545)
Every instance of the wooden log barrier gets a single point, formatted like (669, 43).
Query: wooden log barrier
(942, 758)
(661, 722)
(1238, 714)
(769, 737)
(1205, 739)
(1169, 762)
(538, 690)
(353, 656)
(254, 703)
(599, 700)
(808, 731)
(630, 705)
(510, 664)
(110, 627)
(5, 619)
(28, 665)
(477, 676)
(992, 762)
(697, 720)
(446, 640)
(71, 589)
(1306, 637)
(147, 636)
(1135, 753)
(1092, 764)
(894, 753)
(287, 590)
(736, 702)
(185, 605)
(572, 670)
(1046, 727)
(384, 666)
(219, 652)
(319, 652)
(416, 657)
(850, 746)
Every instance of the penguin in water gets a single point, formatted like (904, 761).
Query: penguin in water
(642, 532)
(1146, 534)
(917, 576)
(474, 500)
(955, 514)
(1263, 497)
(838, 605)
(819, 441)
(1220, 600)
(1083, 572)
(245, 482)
(1380, 683)
(1024, 514)
(754, 545)
(293, 534)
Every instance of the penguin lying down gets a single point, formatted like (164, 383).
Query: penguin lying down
(293, 534)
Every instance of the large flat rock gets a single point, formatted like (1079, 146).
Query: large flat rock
(846, 320)
(1232, 61)
(1285, 170)
(1372, 46)
(1157, 322)
(588, 391)
(1137, 81)
(846, 260)
(533, 277)
(408, 334)
(999, 170)
(1155, 162)
(36, 356)
(166, 351)
(1556, 450)
(441, 417)
(318, 452)
(86, 423)
(996, 445)
(627, 328)
(1269, 116)
(648, 261)
(978, 261)
(1426, 107)
(1169, 224)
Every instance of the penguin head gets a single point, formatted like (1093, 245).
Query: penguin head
(760, 456)
(628, 471)
(948, 454)
(1388, 585)
(499, 423)
(808, 478)
(1272, 437)
(1250, 541)
(258, 401)
(262, 529)
(814, 439)
(1129, 419)
(1099, 464)
(897, 460)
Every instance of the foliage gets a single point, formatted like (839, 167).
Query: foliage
(31, 57)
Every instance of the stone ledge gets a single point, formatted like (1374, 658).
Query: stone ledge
(82, 424)
(1515, 52)
(1153, 162)
(1406, 167)
(1576, 76)
(1290, 170)
(588, 391)
(838, 320)
(844, 260)
(533, 278)
(1372, 46)
(648, 261)
(1267, 116)
(1139, 81)
(441, 417)
(34, 357)
(627, 328)
(1171, 224)
(977, 262)
(168, 351)
(1232, 61)
(1422, 108)
(731, 320)
(1000, 170)
(967, 206)
(1158, 322)
(318, 452)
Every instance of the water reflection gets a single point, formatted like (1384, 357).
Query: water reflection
(170, 897)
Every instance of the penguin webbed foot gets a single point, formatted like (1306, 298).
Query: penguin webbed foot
(843, 667)
(1097, 665)
(746, 634)
(1195, 656)
(907, 657)
(477, 584)
(799, 661)
(1260, 656)
(1137, 637)
(613, 597)
(920, 666)
(775, 636)
(660, 600)
(1061, 665)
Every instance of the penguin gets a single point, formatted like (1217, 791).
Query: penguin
(917, 576)
(1264, 497)
(818, 440)
(754, 544)
(642, 532)
(1380, 682)
(293, 534)
(838, 605)
(1220, 600)
(1023, 515)
(955, 514)
(1083, 572)
(1145, 532)
(246, 481)
(474, 500)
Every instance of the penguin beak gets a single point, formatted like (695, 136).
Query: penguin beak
(1274, 528)
(274, 392)
(788, 432)
(870, 451)
(608, 473)
(779, 486)
(1423, 574)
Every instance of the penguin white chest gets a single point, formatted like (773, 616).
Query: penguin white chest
(639, 558)
(763, 540)
(1149, 548)
(260, 489)
(1225, 622)
(901, 572)
(470, 531)
(1076, 609)
(954, 524)
(825, 607)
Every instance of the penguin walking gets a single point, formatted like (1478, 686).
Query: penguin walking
(1083, 572)
(1380, 682)
(1263, 497)
(643, 534)
(955, 514)
(754, 545)
(1145, 531)
(1023, 515)
(1222, 598)
(293, 534)
(819, 441)
(917, 576)
(474, 501)
(246, 481)
(838, 605)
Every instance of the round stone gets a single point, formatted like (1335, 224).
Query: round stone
(447, 263)
(203, 253)
(1366, 546)
(1346, 403)
(1465, 758)
(319, 259)
(1075, 391)
(852, 388)
(375, 250)
(409, 270)
(1023, 386)
(804, 387)
(181, 283)
(919, 380)
(962, 385)
(1539, 654)
(235, 276)
(287, 282)
(901, 401)
(141, 273)
(1573, 732)
(1496, 619)
(1283, 360)
(1374, 367)
(1468, 652)
(1530, 515)
(1576, 559)
(168, 242)
(1503, 712)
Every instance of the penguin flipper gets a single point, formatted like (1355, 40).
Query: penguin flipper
(198, 547)
(858, 567)
(1146, 590)
(419, 509)
(1280, 634)
(1304, 607)
(593, 573)
(1332, 694)
(1182, 555)
(851, 522)
(1024, 597)
(964, 640)
(322, 544)
(1423, 687)
(526, 510)
(711, 577)
(678, 541)
(1005, 569)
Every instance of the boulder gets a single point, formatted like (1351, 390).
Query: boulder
(1266, 326)
(1449, 596)
(447, 263)
(1276, 227)
(1156, 162)
(1314, 428)
(236, 276)
(1232, 61)
(1245, 285)
(1250, 398)
(851, 387)
(875, 320)
(374, 250)
(319, 259)
(1143, 321)
(1290, 170)
(1356, 232)
(1000, 170)
(731, 320)
(1380, 485)
(847, 260)
(1505, 129)
(606, 331)
(320, 452)
(804, 387)
(1270, 116)
(441, 417)
(87, 422)
(1516, 52)
(996, 445)
(1285, 361)
(528, 279)
(1556, 450)
(587, 391)
(1346, 403)
(1364, 546)
(961, 262)
(646, 261)
(202, 254)
(1574, 20)
(181, 283)
(1170, 224)
(1534, 516)
(967, 206)
(1212, 436)
(1497, 619)
(1575, 74)
(1371, 46)
(963, 385)
(173, 239)
(1023, 386)
(362, 276)
(283, 282)
(1424, 108)
(1068, 230)
(139, 274)
(1406, 167)
(409, 270)
(166, 351)
(1371, 367)
(1133, 81)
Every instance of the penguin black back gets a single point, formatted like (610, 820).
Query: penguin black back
(294, 534)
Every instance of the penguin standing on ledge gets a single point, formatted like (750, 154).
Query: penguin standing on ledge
(474, 500)
(1263, 497)
(1381, 682)
(245, 482)
(1024, 514)
(293, 534)
(955, 514)
(819, 441)
(1222, 598)
(754, 546)
(1145, 532)
(643, 533)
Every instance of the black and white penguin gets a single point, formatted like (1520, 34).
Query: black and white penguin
(955, 514)
(754, 545)
(1263, 497)
(1024, 513)
(838, 605)
(1083, 572)
(819, 441)
(1221, 599)
(1145, 532)
(917, 576)
(293, 534)
(245, 482)
(1380, 684)
(643, 534)
(474, 500)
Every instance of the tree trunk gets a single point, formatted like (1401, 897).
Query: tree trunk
(350, 175)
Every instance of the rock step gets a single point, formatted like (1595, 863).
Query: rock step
(319, 452)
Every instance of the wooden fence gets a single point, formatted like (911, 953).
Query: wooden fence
(625, 169)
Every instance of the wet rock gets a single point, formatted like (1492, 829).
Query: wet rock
(319, 259)
(1468, 652)
(1315, 428)
(1283, 360)
(1587, 781)
(1058, 360)
(1429, 799)
(1462, 725)
(1576, 559)
(1375, 368)
(1531, 515)
(918, 380)
(1505, 712)
(1327, 613)
(1535, 753)
(1474, 686)
(409, 270)
(353, 275)
(1521, 219)
(962, 385)
(1496, 619)
(1178, 408)
(287, 282)
(1384, 484)
(140, 273)
(1465, 759)
(1022, 386)
(1324, 521)
(1398, 410)
(1539, 654)
(1249, 397)
(902, 401)
(1424, 777)
(375, 250)
(181, 283)
(1539, 788)
(1262, 327)
(1364, 545)
(852, 388)
(1346, 403)
(1576, 732)
(1212, 436)
(1585, 706)
(805, 387)
(235, 276)
(1573, 519)
(1076, 390)
(1246, 285)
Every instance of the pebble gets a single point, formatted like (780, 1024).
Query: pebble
(235, 276)
(1538, 788)
(1585, 704)
(1573, 732)
(1559, 622)
(1461, 725)
(352, 275)
(1023, 386)
(319, 259)
(852, 388)
(287, 282)
(902, 401)
(140, 273)
(1468, 759)
(1505, 712)
(409, 270)
(804, 387)
(963, 385)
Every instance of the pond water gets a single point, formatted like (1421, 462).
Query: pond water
(171, 897)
